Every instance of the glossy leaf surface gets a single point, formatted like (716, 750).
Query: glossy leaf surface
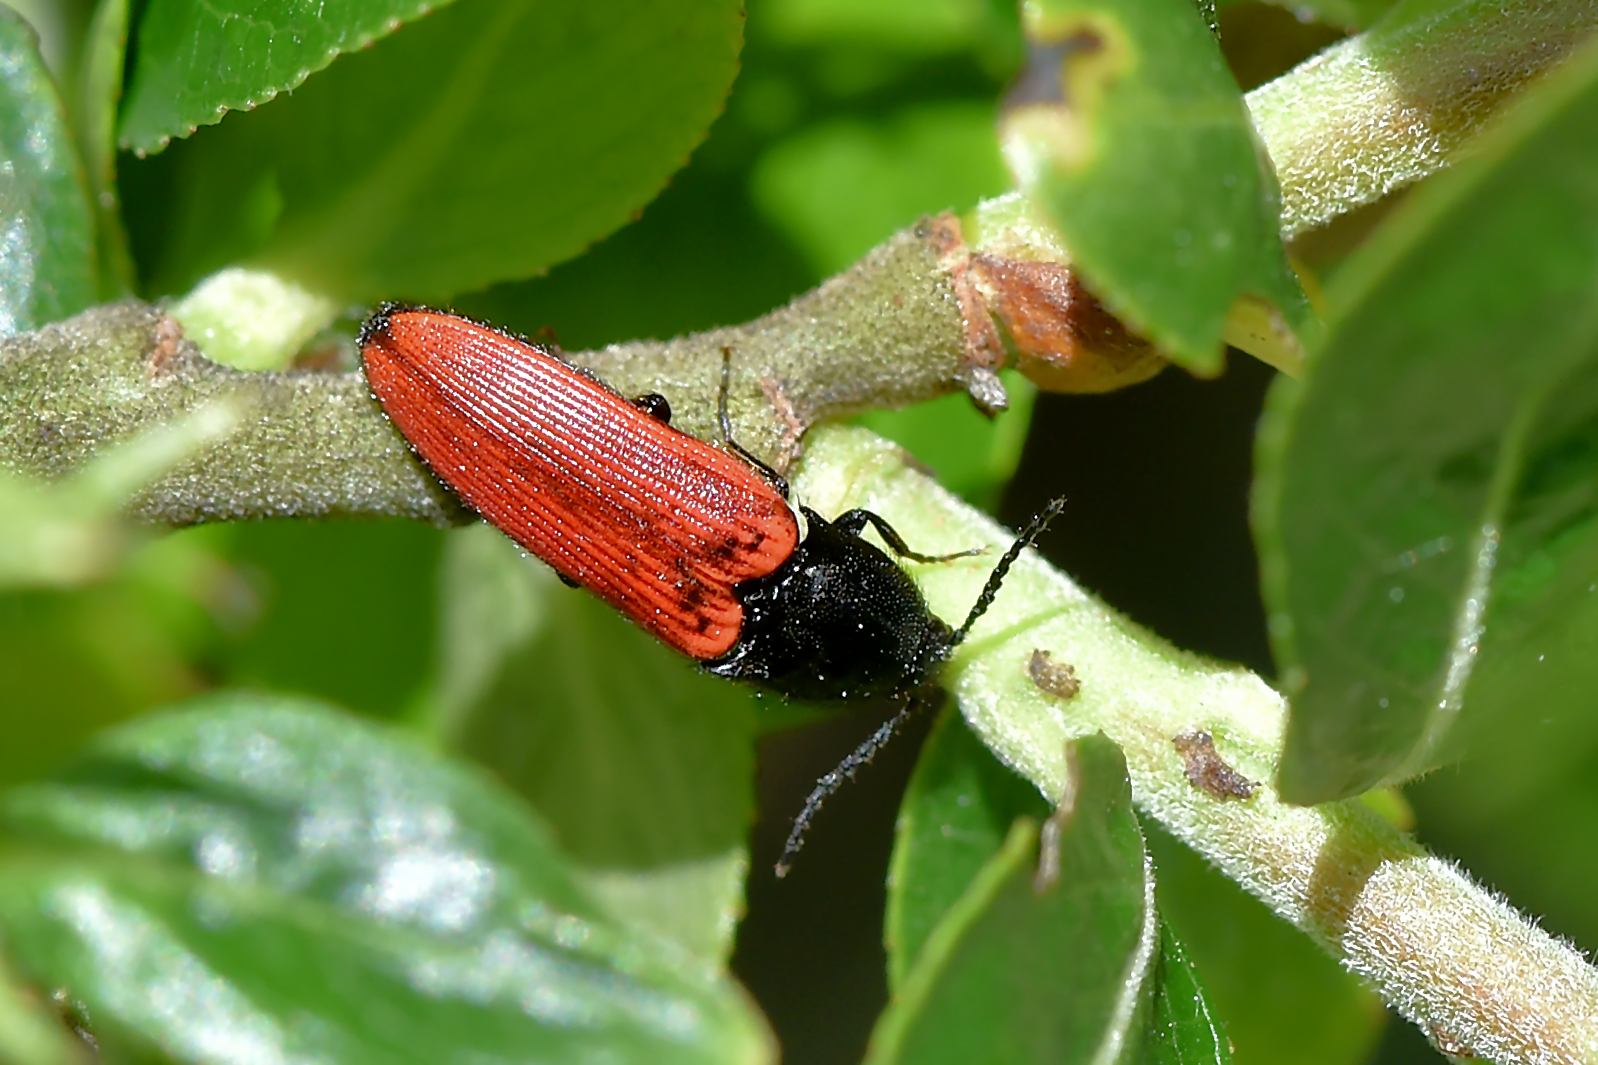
(47, 264)
(254, 878)
(1128, 130)
(1074, 971)
(1427, 502)
(494, 139)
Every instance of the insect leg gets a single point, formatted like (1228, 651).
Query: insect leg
(854, 523)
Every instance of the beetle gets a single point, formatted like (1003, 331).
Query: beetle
(698, 544)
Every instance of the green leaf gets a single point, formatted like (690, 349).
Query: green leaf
(1427, 501)
(1016, 975)
(93, 109)
(256, 878)
(47, 266)
(1283, 1000)
(956, 812)
(1185, 1029)
(842, 186)
(196, 62)
(484, 142)
(31, 1030)
(1128, 130)
(643, 765)
(344, 611)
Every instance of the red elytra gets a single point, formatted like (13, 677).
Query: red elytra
(656, 522)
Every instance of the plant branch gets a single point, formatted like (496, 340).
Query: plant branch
(1403, 100)
(909, 322)
(1477, 976)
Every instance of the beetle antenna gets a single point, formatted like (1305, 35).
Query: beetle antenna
(836, 779)
(991, 590)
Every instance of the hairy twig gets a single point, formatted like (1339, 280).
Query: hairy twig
(1402, 101)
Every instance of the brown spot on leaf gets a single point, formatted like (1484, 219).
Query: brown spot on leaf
(1040, 81)
(1207, 771)
(1056, 678)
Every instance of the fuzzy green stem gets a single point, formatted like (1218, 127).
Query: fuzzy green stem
(1401, 101)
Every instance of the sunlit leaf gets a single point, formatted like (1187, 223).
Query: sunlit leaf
(484, 142)
(255, 877)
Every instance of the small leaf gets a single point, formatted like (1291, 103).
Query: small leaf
(256, 878)
(952, 824)
(1185, 1029)
(643, 765)
(1129, 132)
(1427, 502)
(1062, 975)
(47, 256)
(956, 812)
(485, 142)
